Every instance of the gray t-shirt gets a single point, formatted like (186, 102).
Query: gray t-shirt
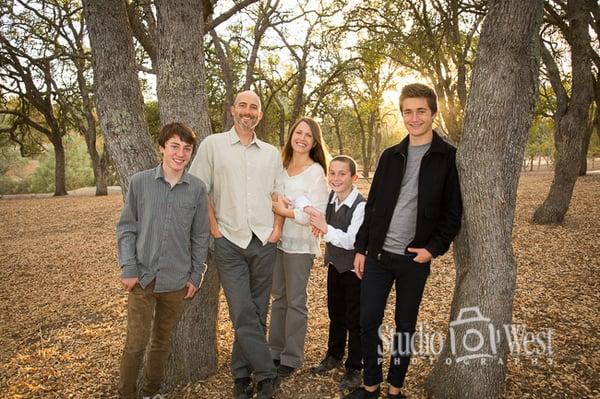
(404, 219)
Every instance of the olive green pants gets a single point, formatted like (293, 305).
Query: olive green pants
(148, 312)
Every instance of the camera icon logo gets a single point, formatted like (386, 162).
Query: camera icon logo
(477, 336)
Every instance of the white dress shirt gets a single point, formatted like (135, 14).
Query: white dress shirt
(338, 237)
(239, 180)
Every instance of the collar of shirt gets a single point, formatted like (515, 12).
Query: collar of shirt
(160, 174)
(234, 138)
(348, 201)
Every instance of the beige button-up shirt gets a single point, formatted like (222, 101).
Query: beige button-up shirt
(239, 180)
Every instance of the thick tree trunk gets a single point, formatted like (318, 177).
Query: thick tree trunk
(180, 79)
(181, 95)
(60, 181)
(119, 100)
(570, 125)
(489, 160)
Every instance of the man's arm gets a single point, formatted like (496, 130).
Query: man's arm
(449, 221)
(199, 241)
(127, 238)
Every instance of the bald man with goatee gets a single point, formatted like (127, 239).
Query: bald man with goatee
(240, 172)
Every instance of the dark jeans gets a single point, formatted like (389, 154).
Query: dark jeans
(379, 275)
(144, 305)
(246, 275)
(343, 304)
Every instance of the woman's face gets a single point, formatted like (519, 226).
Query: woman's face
(302, 138)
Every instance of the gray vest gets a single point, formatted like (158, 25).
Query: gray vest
(342, 259)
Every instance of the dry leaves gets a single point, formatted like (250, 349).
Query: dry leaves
(62, 313)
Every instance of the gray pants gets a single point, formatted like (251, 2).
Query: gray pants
(289, 313)
(246, 276)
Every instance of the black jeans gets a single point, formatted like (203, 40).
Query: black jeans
(343, 304)
(379, 275)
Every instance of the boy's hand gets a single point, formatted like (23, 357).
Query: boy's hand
(129, 283)
(191, 290)
(317, 219)
(359, 265)
(316, 232)
(423, 255)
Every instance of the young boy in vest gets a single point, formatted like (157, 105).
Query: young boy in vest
(162, 241)
(343, 217)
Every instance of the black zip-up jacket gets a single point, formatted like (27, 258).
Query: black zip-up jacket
(439, 203)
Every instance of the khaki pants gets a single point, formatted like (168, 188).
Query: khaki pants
(289, 311)
(144, 306)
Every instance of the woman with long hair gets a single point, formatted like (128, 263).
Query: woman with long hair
(303, 186)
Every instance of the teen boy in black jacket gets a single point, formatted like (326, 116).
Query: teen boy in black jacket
(412, 214)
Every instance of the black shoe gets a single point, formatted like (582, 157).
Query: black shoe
(329, 363)
(396, 396)
(242, 388)
(276, 362)
(267, 388)
(284, 371)
(362, 393)
(351, 379)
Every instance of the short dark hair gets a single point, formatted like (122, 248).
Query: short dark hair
(419, 90)
(177, 129)
(347, 160)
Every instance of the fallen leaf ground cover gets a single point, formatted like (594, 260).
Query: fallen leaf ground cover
(62, 312)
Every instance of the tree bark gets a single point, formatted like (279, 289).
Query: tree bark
(489, 160)
(181, 76)
(181, 95)
(119, 100)
(60, 181)
(570, 124)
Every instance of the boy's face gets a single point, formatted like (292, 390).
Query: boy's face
(417, 116)
(339, 177)
(176, 154)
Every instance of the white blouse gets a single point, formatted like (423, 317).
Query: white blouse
(307, 187)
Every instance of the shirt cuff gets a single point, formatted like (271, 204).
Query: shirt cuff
(302, 202)
(198, 276)
(129, 271)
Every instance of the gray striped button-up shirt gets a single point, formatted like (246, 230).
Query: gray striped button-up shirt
(163, 231)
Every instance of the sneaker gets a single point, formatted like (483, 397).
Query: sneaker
(157, 396)
(284, 371)
(329, 363)
(242, 388)
(362, 393)
(267, 388)
(351, 379)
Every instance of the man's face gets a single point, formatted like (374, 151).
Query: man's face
(417, 116)
(246, 111)
(176, 154)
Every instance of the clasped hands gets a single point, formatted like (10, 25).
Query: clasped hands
(281, 205)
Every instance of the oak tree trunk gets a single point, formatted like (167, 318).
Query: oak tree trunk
(489, 161)
(180, 78)
(119, 100)
(571, 116)
(181, 98)
(60, 181)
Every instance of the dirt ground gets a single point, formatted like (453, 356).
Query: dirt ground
(62, 312)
